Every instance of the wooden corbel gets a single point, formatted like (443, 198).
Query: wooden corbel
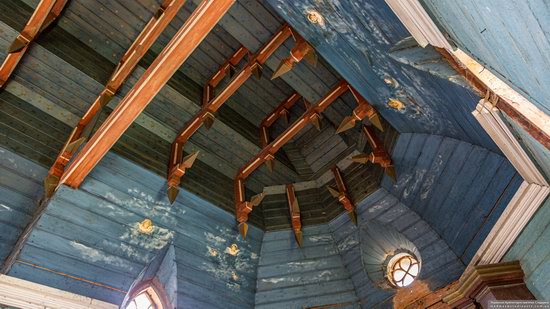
(341, 193)
(379, 155)
(363, 110)
(311, 115)
(301, 50)
(127, 64)
(44, 15)
(212, 103)
(294, 209)
(197, 26)
(280, 111)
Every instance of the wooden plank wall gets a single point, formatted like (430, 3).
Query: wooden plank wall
(92, 234)
(532, 250)
(458, 188)
(440, 265)
(511, 38)
(294, 277)
(20, 191)
(355, 38)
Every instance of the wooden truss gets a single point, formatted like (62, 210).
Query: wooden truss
(280, 111)
(294, 210)
(379, 155)
(363, 110)
(127, 64)
(302, 50)
(189, 36)
(44, 15)
(341, 193)
(211, 102)
(311, 115)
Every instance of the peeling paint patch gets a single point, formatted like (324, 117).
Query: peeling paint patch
(158, 238)
(93, 255)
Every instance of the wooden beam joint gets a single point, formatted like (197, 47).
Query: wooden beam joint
(126, 65)
(363, 110)
(341, 193)
(378, 155)
(211, 102)
(294, 210)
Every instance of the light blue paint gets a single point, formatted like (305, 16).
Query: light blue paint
(355, 38)
(458, 188)
(532, 250)
(92, 233)
(296, 277)
(440, 266)
(20, 191)
(510, 37)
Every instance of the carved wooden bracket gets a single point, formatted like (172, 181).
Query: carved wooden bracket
(189, 36)
(44, 15)
(211, 102)
(267, 153)
(301, 50)
(127, 64)
(341, 193)
(502, 281)
(280, 111)
(294, 209)
(379, 155)
(363, 110)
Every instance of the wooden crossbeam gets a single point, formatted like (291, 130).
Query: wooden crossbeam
(44, 15)
(189, 36)
(311, 115)
(282, 110)
(378, 155)
(341, 193)
(212, 103)
(127, 64)
(363, 110)
(294, 210)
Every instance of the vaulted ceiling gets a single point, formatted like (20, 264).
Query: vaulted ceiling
(64, 71)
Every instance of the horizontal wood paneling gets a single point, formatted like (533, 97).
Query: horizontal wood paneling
(511, 38)
(92, 234)
(20, 191)
(458, 188)
(440, 265)
(355, 39)
(296, 277)
(532, 250)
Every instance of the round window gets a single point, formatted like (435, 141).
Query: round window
(403, 268)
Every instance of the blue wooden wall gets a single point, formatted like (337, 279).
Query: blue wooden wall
(458, 188)
(294, 277)
(532, 250)
(512, 38)
(355, 38)
(20, 191)
(92, 234)
(440, 265)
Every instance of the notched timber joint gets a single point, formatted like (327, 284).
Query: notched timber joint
(379, 155)
(302, 50)
(363, 110)
(341, 193)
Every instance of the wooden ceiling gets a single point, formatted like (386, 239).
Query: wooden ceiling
(66, 68)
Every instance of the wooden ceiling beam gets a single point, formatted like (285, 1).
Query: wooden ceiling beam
(150, 33)
(282, 110)
(44, 15)
(294, 210)
(341, 193)
(211, 102)
(378, 155)
(311, 115)
(189, 36)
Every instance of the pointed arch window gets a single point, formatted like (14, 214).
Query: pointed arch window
(146, 298)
